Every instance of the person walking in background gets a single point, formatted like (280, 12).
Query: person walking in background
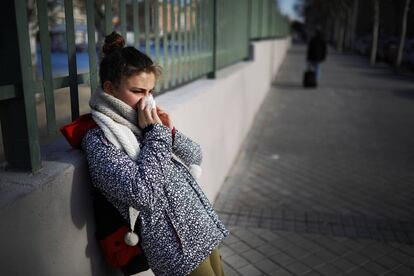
(137, 159)
(316, 52)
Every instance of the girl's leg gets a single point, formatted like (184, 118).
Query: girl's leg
(215, 261)
(204, 269)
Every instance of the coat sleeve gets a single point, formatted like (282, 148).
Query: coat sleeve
(186, 149)
(136, 183)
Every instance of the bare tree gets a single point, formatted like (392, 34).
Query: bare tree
(355, 7)
(375, 30)
(403, 32)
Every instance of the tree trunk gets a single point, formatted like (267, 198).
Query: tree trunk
(349, 29)
(340, 46)
(354, 23)
(375, 32)
(403, 32)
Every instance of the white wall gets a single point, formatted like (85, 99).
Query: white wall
(218, 113)
(46, 219)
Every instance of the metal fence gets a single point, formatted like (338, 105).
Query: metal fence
(188, 38)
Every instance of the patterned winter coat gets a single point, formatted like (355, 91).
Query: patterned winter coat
(179, 225)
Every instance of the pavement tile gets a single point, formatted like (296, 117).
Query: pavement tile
(226, 251)
(388, 262)
(282, 259)
(228, 271)
(326, 255)
(328, 270)
(298, 268)
(410, 263)
(269, 236)
(268, 250)
(281, 272)
(230, 239)
(297, 252)
(313, 261)
(249, 270)
(236, 261)
(374, 268)
(371, 252)
(390, 273)
(343, 264)
(312, 273)
(359, 271)
(282, 244)
(407, 249)
(253, 241)
(268, 266)
(239, 247)
(355, 258)
(404, 270)
(253, 256)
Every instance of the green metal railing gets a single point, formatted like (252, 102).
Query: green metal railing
(188, 38)
(265, 22)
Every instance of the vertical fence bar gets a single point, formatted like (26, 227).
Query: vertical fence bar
(249, 14)
(208, 29)
(179, 43)
(201, 38)
(173, 52)
(185, 57)
(191, 44)
(259, 18)
(108, 17)
(157, 30)
(90, 17)
(135, 22)
(214, 27)
(194, 34)
(46, 66)
(255, 19)
(122, 16)
(165, 21)
(197, 71)
(73, 75)
(147, 26)
(264, 18)
(269, 19)
(274, 22)
(209, 34)
(197, 61)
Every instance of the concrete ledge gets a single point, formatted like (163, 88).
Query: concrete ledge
(47, 220)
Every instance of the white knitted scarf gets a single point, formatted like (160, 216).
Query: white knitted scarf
(119, 124)
(118, 121)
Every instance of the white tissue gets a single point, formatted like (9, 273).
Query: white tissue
(149, 101)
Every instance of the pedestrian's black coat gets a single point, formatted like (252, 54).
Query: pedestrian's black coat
(316, 49)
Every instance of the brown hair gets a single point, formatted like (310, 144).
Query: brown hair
(119, 61)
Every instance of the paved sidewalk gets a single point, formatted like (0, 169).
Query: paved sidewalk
(324, 184)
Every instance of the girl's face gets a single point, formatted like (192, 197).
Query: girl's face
(132, 89)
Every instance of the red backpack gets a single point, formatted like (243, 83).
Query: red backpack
(111, 227)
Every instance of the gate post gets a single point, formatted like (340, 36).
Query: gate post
(17, 106)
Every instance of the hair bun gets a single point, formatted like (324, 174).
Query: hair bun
(113, 42)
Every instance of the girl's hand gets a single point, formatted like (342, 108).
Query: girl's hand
(165, 118)
(146, 115)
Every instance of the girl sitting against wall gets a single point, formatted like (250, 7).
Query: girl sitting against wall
(141, 163)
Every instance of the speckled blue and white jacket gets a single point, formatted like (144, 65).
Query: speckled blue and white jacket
(179, 225)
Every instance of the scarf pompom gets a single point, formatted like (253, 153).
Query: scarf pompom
(195, 171)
